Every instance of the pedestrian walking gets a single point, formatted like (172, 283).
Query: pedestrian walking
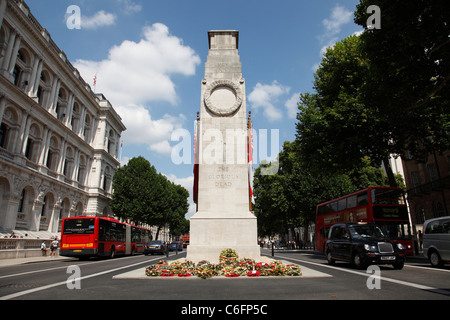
(420, 240)
(54, 247)
(43, 248)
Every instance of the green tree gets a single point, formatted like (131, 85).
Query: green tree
(335, 129)
(409, 72)
(136, 186)
(142, 195)
(287, 199)
(179, 206)
(270, 201)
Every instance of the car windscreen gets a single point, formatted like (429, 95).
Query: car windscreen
(365, 231)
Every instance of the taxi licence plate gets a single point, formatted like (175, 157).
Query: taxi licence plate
(390, 258)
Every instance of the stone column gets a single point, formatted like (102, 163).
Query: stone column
(223, 219)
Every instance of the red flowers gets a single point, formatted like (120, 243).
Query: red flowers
(254, 273)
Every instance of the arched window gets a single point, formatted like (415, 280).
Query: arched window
(24, 209)
(87, 128)
(21, 69)
(53, 154)
(9, 129)
(68, 163)
(3, 134)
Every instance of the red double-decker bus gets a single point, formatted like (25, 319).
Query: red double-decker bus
(85, 237)
(384, 206)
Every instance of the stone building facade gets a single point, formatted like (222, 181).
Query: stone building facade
(428, 184)
(59, 141)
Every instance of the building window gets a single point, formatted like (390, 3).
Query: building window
(29, 149)
(433, 175)
(22, 197)
(415, 181)
(3, 133)
(49, 159)
(420, 215)
(439, 209)
(16, 75)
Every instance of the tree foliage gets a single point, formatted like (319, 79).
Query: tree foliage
(144, 196)
(409, 63)
(287, 199)
(383, 93)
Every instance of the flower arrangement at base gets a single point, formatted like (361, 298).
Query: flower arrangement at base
(229, 266)
(166, 273)
(228, 256)
(253, 273)
(204, 273)
(152, 271)
(162, 263)
(293, 270)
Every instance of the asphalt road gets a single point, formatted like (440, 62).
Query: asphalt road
(59, 280)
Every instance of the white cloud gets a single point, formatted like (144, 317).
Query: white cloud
(129, 6)
(135, 74)
(339, 16)
(139, 72)
(292, 105)
(265, 96)
(143, 129)
(100, 19)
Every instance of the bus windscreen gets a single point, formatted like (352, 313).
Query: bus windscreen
(79, 226)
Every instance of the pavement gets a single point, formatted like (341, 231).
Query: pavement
(14, 262)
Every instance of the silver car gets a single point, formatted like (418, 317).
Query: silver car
(436, 241)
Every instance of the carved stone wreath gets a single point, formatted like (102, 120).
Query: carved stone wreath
(223, 97)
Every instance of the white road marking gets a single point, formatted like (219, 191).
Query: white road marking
(405, 283)
(22, 293)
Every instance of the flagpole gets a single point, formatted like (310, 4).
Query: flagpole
(250, 160)
(95, 82)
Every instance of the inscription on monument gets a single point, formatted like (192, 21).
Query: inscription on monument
(223, 178)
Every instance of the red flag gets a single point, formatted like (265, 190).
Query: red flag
(196, 141)
(250, 158)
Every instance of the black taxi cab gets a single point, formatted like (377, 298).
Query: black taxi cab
(362, 244)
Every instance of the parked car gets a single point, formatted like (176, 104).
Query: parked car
(155, 247)
(175, 246)
(436, 241)
(362, 244)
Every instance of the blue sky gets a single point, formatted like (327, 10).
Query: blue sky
(149, 59)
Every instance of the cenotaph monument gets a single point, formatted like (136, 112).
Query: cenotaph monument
(223, 219)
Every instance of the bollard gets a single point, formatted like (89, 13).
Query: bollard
(273, 251)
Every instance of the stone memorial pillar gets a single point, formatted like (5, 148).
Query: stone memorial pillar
(223, 219)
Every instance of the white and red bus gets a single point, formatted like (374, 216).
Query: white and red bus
(384, 206)
(85, 237)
